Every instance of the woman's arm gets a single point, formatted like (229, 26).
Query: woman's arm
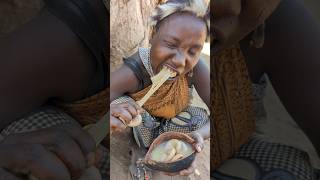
(43, 59)
(122, 81)
(201, 81)
(291, 57)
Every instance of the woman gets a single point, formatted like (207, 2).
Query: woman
(54, 64)
(288, 55)
(180, 31)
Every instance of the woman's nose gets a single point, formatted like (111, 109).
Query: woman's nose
(179, 60)
(225, 8)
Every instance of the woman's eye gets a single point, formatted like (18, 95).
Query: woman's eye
(171, 46)
(192, 53)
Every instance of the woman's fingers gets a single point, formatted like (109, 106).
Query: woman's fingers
(126, 112)
(33, 159)
(184, 172)
(171, 174)
(192, 169)
(138, 108)
(116, 125)
(69, 151)
(121, 112)
(132, 110)
(72, 145)
(188, 171)
(83, 139)
(199, 141)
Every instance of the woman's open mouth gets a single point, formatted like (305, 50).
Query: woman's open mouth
(173, 72)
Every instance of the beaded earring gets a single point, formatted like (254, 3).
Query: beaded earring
(190, 73)
(258, 36)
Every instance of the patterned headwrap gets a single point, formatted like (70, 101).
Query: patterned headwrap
(199, 8)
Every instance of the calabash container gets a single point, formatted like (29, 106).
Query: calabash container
(171, 166)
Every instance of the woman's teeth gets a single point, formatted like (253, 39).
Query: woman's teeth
(172, 73)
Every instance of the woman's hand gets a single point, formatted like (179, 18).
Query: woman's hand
(185, 172)
(61, 152)
(122, 114)
(199, 141)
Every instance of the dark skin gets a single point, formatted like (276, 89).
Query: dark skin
(290, 58)
(232, 20)
(55, 50)
(177, 44)
(41, 61)
(52, 153)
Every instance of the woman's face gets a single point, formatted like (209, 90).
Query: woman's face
(234, 19)
(178, 42)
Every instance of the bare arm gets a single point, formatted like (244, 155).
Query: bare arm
(122, 81)
(291, 59)
(39, 61)
(201, 81)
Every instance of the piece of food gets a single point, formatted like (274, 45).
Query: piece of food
(176, 157)
(183, 148)
(197, 172)
(155, 159)
(136, 121)
(171, 154)
(171, 150)
(157, 81)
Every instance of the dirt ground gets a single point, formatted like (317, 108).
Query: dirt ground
(121, 144)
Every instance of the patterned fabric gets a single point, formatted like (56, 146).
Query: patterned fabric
(44, 118)
(233, 118)
(48, 117)
(263, 160)
(190, 119)
(263, 122)
(144, 54)
(89, 110)
(164, 102)
(260, 158)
